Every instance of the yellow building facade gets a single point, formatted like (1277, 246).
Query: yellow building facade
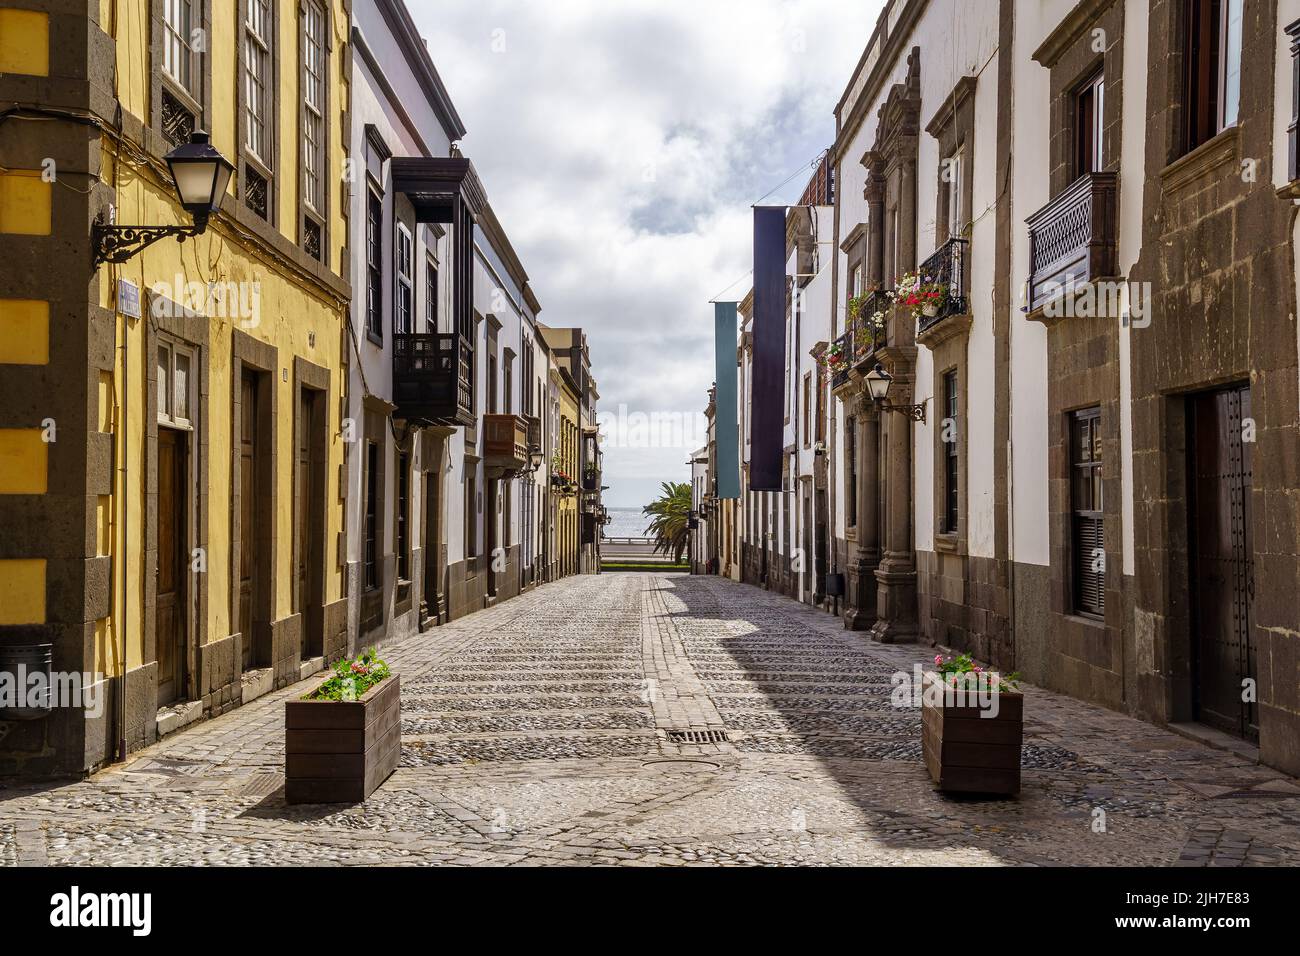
(170, 434)
(565, 466)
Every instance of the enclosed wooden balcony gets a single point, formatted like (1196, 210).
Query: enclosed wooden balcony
(433, 378)
(1072, 239)
(433, 371)
(505, 442)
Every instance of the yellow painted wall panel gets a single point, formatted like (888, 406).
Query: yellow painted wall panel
(105, 416)
(22, 591)
(24, 332)
(24, 42)
(103, 525)
(24, 203)
(24, 462)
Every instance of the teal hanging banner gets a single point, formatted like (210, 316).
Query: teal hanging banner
(725, 421)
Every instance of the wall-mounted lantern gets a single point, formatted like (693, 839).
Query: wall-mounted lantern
(200, 176)
(878, 382)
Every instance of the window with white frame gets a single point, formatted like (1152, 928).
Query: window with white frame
(179, 54)
(257, 70)
(953, 174)
(1230, 58)
(403, 301)
(313, 101)
(175, 384)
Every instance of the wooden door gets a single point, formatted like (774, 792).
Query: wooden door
(305, 520)
(1221, 561)
(432, 545)
(171, 602)
(247, 512)
(490, 528)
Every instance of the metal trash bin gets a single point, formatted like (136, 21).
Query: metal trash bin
(18, 699)
(834, 585)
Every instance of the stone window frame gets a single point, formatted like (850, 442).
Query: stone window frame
(949, 356)
(321, 215)
(1293, 129)
(159, 80)
(170, 321)
(1071, 59)
(264, 359)
(953, 128)
(265, 166)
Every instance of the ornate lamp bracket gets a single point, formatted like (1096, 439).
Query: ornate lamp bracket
(120, 243)
(915, 412)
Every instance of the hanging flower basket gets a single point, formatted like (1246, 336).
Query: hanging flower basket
(923, 294)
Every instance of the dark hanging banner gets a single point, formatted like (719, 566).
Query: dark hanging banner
(767, 422)
(725, 421)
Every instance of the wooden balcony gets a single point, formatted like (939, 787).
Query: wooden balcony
(948, 265)
(433, 378)
(505, 442)
(1072, 239)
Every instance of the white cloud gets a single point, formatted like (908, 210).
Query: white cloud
(621, 145)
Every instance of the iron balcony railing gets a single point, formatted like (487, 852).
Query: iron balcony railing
(1072, 238)
(433, 377)
(861, 338)
(948, 267)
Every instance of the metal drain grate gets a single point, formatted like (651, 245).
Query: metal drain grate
(698, 736)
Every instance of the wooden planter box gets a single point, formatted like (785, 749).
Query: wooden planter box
(969, 753)
(341, 751)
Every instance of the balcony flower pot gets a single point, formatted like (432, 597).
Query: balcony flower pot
(971, 733)
(341, 750)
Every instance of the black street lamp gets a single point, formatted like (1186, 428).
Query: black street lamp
(200, 176)
(878, 382)
(535, 459)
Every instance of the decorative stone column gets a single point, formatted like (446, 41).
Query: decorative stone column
(860, 577)
(896, 574)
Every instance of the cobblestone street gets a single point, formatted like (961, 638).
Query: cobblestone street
(664, 720)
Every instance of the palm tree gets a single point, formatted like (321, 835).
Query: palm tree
(668, 518)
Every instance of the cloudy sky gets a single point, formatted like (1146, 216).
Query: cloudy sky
(622, 145)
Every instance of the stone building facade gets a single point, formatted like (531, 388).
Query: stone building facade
(1085, 466)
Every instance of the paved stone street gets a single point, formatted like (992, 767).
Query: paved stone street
(664, 720)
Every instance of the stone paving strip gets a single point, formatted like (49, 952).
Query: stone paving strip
(663, 720)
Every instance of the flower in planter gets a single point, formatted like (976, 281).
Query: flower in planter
(920, 293)
(353, 678)
(962, 671)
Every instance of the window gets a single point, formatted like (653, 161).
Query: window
(948, 434)
(403, 505)
(374, 265)
(313, 113)
(806, 408)
(492, 385)
(1088, 122)
(180, 58)
(1087, 546)
(370, 544)
(851, 460)
(471, 517)
(821, 403)
(509, 370)
(430, 295)
(1212, 58)
(1293, 130)
(175, 384)
(954, 172)
(404, 301)
(257, 69)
